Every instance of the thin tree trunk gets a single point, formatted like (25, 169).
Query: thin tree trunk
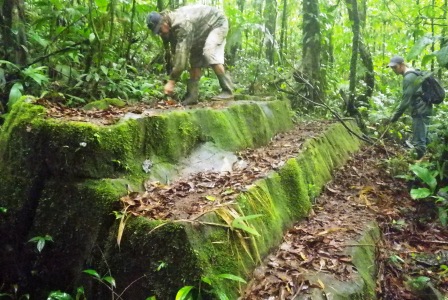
(352, 110)
(14, 45)
(282, 47)
(130, 37)
(112, 6)
(270, 17)
(311, 49)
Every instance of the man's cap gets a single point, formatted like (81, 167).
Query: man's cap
(154, 22)
(396, 60)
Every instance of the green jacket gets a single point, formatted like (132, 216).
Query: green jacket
(412, 97)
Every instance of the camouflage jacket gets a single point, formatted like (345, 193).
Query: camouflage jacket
(190, 27)
(412, 98)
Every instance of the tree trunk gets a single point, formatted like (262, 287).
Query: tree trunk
(283, 45)
(353, 14)
(12, 24)
(311, 49)
(270, 21)
(130, 35)
(366, 58)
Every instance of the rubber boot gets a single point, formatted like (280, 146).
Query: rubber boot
(227, 87)
(192, 92)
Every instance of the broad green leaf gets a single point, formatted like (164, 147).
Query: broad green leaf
(427, 59)
(40, 245)
(151, 298)
(104, 69)
(185, 293)
(419, 46)
(37, 74)
(58, 295)
(239, 223)
(92, 273)
(207, 280)
(35, 239)
(444, 189)
(38, 78)
(425, 175)
(222, 296)
(110, 280)
(9, 64)
(442, 56)
(15, 93)
(102, 4)
(232, 277)
(420, 193)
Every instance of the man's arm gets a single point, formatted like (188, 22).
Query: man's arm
(184, 36)
(409, 89)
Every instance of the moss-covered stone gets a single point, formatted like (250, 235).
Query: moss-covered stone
(78, 216)
(64, 179)
(150, 261)
(364, 259)
(362, 284)
(280, 199)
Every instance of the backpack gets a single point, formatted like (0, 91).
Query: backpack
(433, 91)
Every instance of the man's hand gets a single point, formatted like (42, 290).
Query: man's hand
(169, 87)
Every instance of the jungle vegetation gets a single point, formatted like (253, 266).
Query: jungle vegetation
(328, 57)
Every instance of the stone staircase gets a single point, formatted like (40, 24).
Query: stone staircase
(65, 179)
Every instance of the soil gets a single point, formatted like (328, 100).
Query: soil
(414, 245)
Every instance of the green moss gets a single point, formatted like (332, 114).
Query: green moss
(364, 259)
(219, 127)
(143, 249)
(277, 115)
(243, 125)
(85, 150)
(77, 215)
(19, 138)
(295, 187)
(170, 136)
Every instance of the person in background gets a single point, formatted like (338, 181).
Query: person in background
(421, 111)
(196, 33)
